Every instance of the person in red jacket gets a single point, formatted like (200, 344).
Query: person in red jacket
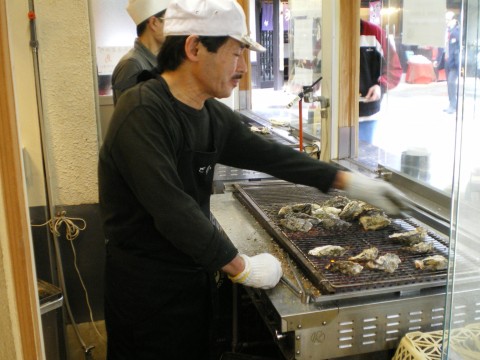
(380, 70)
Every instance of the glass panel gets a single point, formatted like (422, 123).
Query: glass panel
(463, 317)
(414, 131)
(114, 37)
(276, 89)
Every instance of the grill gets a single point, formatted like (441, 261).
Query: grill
(353, 315)
(265, 202)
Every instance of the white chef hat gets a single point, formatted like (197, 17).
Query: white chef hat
(141, 10)
(208, 18)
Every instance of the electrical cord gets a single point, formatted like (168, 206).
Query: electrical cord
(72, 231)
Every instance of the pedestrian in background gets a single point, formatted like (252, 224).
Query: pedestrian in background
(452, 60)
(380, 71)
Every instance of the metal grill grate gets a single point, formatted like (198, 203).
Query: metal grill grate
(265, 201)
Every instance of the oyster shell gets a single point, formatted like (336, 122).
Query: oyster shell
(334, 224)
(365, 255)
(388, 263)
(314, 220)
(325, 211)
(296, 224)
(374, 220)
(420, 248)
(410, 238)
(345, 267)
(328, 250)
(305, 208)
(338, 202)
(352, 210)
(329, 218)
(435, 262)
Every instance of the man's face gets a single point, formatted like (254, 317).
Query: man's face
(450, 20)
(219, 73)
(158, 24)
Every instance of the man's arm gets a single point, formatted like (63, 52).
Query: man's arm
(392, 72)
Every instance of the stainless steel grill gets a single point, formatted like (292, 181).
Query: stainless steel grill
(363, 315)
(266, 201)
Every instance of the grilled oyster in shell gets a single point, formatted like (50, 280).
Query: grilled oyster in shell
(305, 208)
(365, 255)
(328, 250)
(410, 238)
(420, 248)
(374, 220)
(338, 202)
(345, 267)
(352, 210)
(296, 224)
(388, 263)
(329, 218)
(435, 262)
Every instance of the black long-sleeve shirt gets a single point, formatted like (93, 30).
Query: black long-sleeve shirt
(145, 209)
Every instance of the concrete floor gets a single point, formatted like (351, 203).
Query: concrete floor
(90, 337)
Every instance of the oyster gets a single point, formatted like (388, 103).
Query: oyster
(325, 211)
(262, 130)
(365, 255)
(374, 220)
(314, 220)
(352, 210)
(410, 238)
(334, 224)
(338, 202)
(329, 218)
(345, 267)
(435, 262)
(296, 224)
(388, 263)
(420, 248)
(328, 250)
(305, 208)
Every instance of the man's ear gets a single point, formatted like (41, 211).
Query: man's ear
(152, 21)
(191, 47)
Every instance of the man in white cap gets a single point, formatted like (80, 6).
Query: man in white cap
(148, 17)
(155, 180)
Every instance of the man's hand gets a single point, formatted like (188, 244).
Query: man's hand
(375, 192)
(374, 93)
(261, 271)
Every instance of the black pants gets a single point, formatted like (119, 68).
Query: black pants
(156, 311)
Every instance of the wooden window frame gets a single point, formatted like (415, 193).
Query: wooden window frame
(20, 267)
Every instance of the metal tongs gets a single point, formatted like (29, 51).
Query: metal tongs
(298, 289)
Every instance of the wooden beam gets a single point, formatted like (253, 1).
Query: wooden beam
(349, 62)
(14, 201)
(246, 81)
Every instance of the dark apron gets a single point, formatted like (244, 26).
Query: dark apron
(156, 310)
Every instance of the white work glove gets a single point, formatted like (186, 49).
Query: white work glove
(375, 192)
(261, 271)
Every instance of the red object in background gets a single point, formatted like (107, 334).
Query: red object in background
(441, 76)
(300, 125)
(421, 73)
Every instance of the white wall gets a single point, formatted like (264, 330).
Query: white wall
(68, 93)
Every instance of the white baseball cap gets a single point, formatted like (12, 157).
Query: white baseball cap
(208, 18)
(141, 10)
